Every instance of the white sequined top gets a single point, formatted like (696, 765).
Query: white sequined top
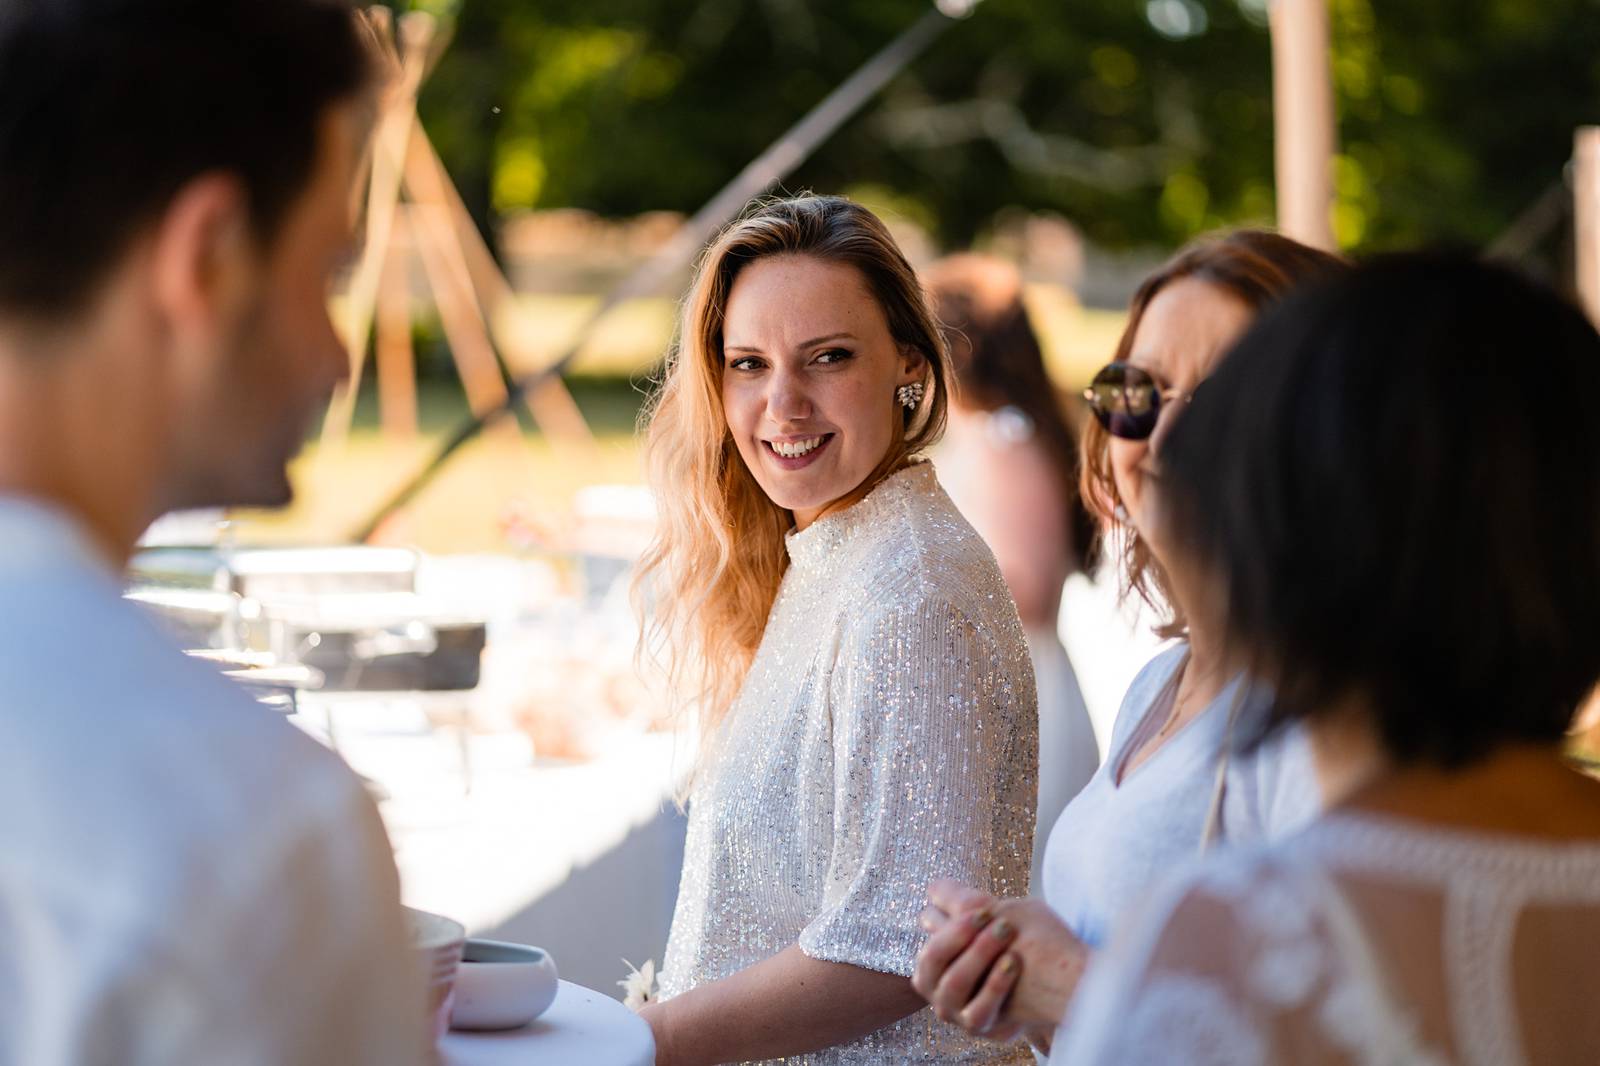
(886, 736)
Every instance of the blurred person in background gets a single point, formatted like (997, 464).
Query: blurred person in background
(1169, 785)
(867, 712)
(1009, 460)
(185, 877)
(1394, 487)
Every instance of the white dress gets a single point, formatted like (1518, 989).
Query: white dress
(980, 461)
(1069, 755)
(1124, 831)
(886, 736)
(1363, 940)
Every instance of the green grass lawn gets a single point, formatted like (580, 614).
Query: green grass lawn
(463, 509)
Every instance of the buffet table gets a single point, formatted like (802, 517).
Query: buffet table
(581, 1026)
(579, 859)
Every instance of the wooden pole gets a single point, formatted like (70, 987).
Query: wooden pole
(458, 314)
(397, 370)
(1586, 217)
(492, 286)
(383, 196)
(1302, 90)
(473, 267)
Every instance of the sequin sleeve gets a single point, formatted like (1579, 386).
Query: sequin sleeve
(935, 740)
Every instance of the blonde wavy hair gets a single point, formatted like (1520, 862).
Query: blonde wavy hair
(708, 580)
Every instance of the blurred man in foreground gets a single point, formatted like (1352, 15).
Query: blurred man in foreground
(184, 877)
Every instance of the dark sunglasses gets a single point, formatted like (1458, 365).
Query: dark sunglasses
(1126, 401)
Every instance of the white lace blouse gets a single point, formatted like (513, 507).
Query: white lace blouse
(1362, 940)
(886, 736)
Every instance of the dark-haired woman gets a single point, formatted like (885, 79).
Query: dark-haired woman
(1001, 967)
(1010, 463)
(1396, 484)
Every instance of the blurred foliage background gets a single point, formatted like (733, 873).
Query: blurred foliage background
(1102, 132)
(1143, 122)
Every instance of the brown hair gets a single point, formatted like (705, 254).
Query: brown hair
(1257, 266)
(718, 555)
(997, 360)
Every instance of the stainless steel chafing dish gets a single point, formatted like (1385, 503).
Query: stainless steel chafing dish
(352, 615)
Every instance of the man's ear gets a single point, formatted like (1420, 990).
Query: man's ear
(203, 255)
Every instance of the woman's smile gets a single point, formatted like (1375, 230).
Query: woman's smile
(796, 453)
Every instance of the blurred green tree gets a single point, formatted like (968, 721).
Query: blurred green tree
(1143, 121)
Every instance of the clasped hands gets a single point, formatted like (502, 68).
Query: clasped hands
(998, 968)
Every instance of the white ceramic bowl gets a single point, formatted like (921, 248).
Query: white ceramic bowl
(502, 986)
(437, 940)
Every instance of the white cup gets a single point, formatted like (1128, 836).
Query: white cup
(502, 986)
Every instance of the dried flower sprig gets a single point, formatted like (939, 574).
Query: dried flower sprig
(639, 985)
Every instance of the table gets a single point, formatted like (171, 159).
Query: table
(581, 1026)
(583, 859)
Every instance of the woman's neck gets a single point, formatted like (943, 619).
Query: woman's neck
(1207, 668)
(1208, 665)
(1345, 751)
(1517, 788)
(855, 495)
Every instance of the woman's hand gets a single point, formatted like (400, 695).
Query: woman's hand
(997, 967)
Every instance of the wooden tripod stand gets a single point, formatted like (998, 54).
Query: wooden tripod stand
(413, 209)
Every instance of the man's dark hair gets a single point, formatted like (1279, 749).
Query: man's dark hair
(111, 106)
(1395, 478)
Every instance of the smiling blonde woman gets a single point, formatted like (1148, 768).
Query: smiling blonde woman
(866, 701)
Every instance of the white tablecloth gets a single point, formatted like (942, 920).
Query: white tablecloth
(581, 1026)
(582, 860)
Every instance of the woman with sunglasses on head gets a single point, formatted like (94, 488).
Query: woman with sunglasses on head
(867, 709)
(1003, 967)
(1396, 486)
(1010, 462)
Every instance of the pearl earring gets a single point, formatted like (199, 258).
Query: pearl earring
(909, 395)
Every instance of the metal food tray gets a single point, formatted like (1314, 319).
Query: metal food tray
(349, 613)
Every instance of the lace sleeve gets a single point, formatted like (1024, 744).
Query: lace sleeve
(935, 736)
(1237, 963)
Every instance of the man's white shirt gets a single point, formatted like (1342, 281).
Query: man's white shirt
(184, 876)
